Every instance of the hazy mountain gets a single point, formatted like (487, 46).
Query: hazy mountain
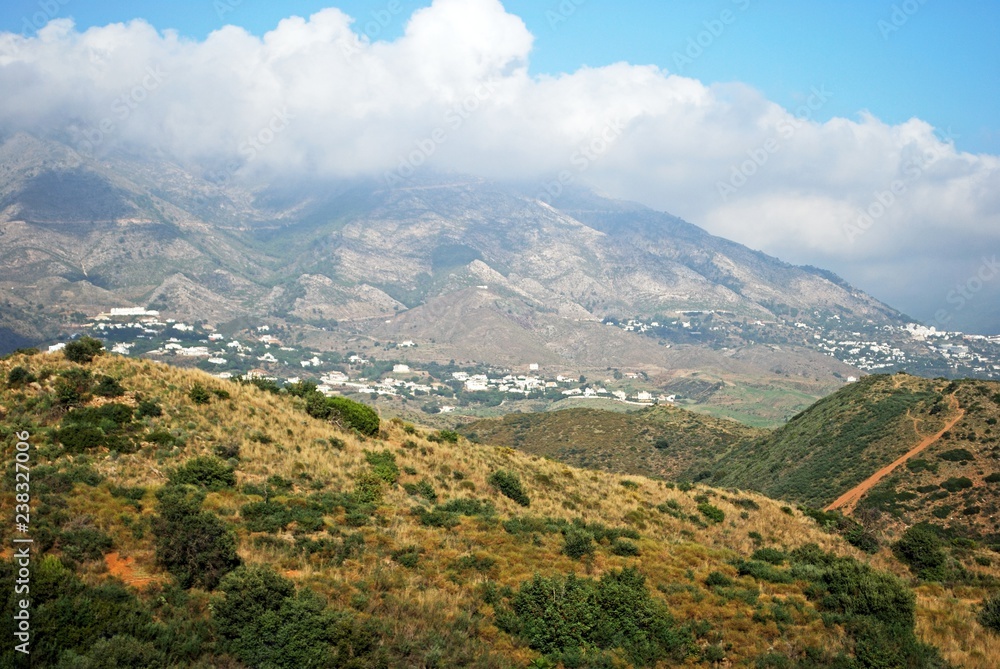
(85, 235)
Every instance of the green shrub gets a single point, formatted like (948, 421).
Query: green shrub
(989, 614)
(955, 484)
(509, 485)
(770, 555)
(407, 556)
(266, 516)
(713, 513)
(957, 455)
(624, 548)
(468, 506)
(447, 436)
(19, 376)
(631, 485)
(79, 438)
(84, 544)
(422, 488)
(148, 408)
(368, 488)
(83, 350)
(564, 618)
(718, 579)
(199, 394)
(762, 571)
(207, 471)
(993, 478)
(353, 415)
(921, 550)
(108, 387)
(578, 544)
(477, 562)
(195, 546)
(383, 465)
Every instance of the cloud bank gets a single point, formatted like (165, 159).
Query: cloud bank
(896, 209)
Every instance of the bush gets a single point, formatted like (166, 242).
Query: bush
(199, 394)
(422, 488)
(578, 544)
(624, 548)
(383, 465)
(955, 484)
(195, 546)
(762, 571)
(713, 513)
(718, 579)
(993, 478)
(509, 485)
(564, 618)
(920, 548)
(353, 415)
(208, 472)
(148, 408)
(19, 376)
(108, 387)
(989, 615)
(83, 350)
(957, 455)
(263, 622)
(770, 555)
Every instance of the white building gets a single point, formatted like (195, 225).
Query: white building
(401, 369)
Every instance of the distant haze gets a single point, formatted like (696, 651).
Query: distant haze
(895, 209)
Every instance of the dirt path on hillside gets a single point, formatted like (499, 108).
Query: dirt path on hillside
(849, 500)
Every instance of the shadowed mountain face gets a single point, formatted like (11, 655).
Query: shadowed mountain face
(82, 236)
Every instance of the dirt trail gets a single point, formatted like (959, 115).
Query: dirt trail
(849, 500)
(125, 569)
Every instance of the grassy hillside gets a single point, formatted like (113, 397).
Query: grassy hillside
(658, 441)
(182, 521)
(839, 441)
(835, 445)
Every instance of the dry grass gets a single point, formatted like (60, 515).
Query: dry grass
(676, 554)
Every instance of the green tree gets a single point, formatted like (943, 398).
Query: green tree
(920, 548)
(83, 350)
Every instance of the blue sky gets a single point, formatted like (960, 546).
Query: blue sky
(942, 64)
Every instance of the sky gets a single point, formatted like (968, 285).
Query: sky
(859, 136)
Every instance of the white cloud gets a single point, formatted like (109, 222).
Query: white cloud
(454, 92)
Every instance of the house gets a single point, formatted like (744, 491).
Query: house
(407, 344)
(56, 347)
(401, 369)
(533, 367)
(644, 396)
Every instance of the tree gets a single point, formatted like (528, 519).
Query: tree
(920, 548)
(195, 546)
(83, 350)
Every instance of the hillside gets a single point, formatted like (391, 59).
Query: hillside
(941, 436)
(660, 441)
(183, 521)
